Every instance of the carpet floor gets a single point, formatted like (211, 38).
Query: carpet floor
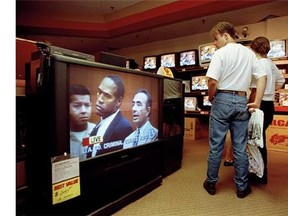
(182, 193)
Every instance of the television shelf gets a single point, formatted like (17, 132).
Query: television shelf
(196, 113)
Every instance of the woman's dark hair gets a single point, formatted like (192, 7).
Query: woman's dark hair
(260, 45)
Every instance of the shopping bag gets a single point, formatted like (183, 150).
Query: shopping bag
(255, 128)
(256, 164)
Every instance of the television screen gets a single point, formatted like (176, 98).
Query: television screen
(199, 83)
(188, 58)
(277, 49)
(116, 131)
(168, 60)
(206, 52)
(206, 102)
(190, 104)
(150, 62)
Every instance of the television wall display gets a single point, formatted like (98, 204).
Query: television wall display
(188, 58)
(199, 83)
(150, 63)
(168, 60)
(206, 51)
(120, 130)
(277, 49)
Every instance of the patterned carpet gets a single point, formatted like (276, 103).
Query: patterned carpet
(182, 193)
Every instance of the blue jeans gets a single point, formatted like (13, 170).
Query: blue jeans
(229, 111)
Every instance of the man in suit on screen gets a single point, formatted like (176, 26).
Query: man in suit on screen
(141, 111)
(113, 127)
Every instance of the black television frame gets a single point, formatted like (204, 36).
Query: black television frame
(153, 57)
(48, 135)
(168, 55)
(198, 88)
(196, 58)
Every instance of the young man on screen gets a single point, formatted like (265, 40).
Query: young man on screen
(113, 127)
(141, 111)
(230, 72)
(80, 113)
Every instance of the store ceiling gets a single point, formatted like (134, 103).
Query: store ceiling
(105, 25)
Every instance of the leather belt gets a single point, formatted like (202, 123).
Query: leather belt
(239, 93)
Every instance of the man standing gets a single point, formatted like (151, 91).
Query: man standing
(141, 111)
(80, 113)
(113, 127)
(229, 73)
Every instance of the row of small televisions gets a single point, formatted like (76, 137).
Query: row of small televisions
(202, 105)
(196, 104)
(203, 55)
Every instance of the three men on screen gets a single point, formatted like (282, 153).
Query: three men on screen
(109, 134)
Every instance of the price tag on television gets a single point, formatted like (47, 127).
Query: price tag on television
(65, 179)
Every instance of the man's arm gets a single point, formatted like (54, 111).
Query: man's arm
(260, 88)
(212, 88)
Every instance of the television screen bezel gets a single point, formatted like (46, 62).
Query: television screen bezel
(167, 54)
(156, 62)
(284, 42)
(59, 100)
(187, 51)
(205, 62)
(201, 77)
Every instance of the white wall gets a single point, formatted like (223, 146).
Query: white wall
(276, 28)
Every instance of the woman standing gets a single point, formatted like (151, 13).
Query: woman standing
(275, 80)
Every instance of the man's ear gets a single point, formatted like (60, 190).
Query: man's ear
(149, 111)
(119, 101)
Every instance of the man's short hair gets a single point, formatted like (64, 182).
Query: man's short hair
(223, 27)
(78, 89)
(149, 97)
(119, 83)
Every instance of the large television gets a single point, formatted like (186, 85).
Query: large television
(188, 58)
(168, 60)
(114, 172)
(206, 51)
(277, 49)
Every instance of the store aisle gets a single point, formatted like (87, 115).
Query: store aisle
(182, 193)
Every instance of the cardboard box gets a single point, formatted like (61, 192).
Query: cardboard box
(193, 129)
(277, 134)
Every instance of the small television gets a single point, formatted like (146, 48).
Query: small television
(150, 63)
(188, 58)
(206, 51)
(277, 49)
(168, 60)
(190, 104)
(206, 103)
(199, 83)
